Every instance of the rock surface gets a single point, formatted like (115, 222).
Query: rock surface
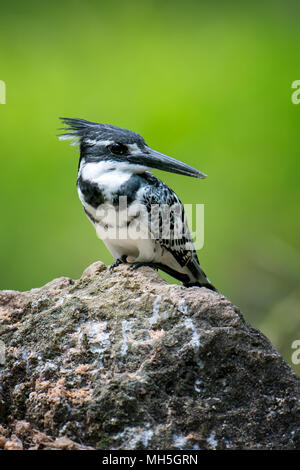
(122, 360)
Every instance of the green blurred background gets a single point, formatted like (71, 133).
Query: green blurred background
(207, 83)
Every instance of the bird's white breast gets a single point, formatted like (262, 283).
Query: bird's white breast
(126, 234)
(106, 175)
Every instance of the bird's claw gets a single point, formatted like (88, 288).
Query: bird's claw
(117, 263)
(138, 265)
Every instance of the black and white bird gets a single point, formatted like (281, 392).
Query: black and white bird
(127, 204)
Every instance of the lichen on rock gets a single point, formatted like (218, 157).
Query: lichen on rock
(122, 360)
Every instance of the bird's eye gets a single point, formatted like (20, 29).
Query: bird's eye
(118, 149)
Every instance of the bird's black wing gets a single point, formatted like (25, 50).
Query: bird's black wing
(168, 226)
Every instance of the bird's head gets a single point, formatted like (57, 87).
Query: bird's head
(103, 142)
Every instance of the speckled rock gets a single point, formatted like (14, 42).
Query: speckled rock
(122, 360)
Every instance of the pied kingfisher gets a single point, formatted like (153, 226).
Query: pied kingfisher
(127, 204)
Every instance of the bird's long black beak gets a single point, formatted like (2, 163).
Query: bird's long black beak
(153, 159)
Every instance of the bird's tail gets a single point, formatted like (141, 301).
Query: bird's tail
(198, 277)
(208, 285)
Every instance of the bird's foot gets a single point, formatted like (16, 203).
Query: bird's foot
(117, 262)
(138, 265)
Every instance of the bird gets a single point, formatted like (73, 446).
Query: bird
(139, 218)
